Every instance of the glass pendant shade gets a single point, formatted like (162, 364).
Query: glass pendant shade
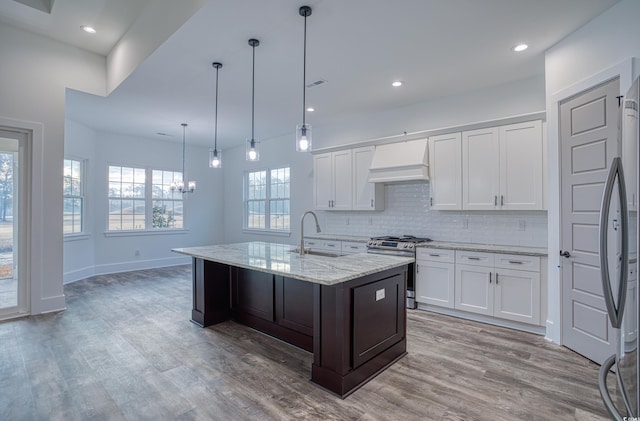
(253, 150)
(215, 158)
(180, 186)
(303, 137)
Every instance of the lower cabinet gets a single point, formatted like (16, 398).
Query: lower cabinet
(277, 305)
(435, 272)
(493, 287)
(499, 285)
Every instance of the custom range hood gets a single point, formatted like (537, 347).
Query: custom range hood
(400, 162)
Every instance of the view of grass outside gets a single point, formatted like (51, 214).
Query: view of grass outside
(267, 200)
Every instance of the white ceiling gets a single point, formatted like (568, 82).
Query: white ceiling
(437, 47)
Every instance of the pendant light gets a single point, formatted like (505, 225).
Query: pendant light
(184, 186)
(215, 155)
(253, 150)
(303, 131)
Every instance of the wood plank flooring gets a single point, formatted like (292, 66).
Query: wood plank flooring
(125, 350)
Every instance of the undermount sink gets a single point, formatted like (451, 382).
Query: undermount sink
(316, 253)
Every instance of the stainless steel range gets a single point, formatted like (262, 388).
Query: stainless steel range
(399, 246)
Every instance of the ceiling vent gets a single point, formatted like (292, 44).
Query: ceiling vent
(316, 83)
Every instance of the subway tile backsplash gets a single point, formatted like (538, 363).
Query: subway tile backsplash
(407, 212)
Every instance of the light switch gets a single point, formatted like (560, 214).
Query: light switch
(379, 294)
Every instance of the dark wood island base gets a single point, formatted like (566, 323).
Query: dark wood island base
(355, 329)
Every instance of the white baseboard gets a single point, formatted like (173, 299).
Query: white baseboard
(80, 274)
(50, 305)
(538, 330)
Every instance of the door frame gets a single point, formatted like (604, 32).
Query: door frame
(624, 71)
(32, 221)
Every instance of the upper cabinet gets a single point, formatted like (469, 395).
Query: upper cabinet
(445, 152)
(502, 167)
(340, 181)
(366, 196)
(332, 181)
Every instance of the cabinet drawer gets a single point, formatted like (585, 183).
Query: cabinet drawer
(476, 258)
(517, 262)
(322, 244)
(435, 255)
(353, 247)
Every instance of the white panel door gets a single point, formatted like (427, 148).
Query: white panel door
(445, 168)
(480, 169)
(588, 139)
(517, 295)
(342, 180)
(435, 283)
(521, 164)
(322, 181)
(474, 289)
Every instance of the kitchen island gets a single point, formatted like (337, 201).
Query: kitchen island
(348, 310)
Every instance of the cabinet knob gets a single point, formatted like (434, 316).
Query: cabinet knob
(496, 278)
(489, 277)
(495, 200)
(371, 202)
(565, 254)
(501, 200)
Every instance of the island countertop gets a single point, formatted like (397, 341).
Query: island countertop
(278, 259)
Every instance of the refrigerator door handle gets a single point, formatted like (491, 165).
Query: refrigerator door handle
(615, 313)
(604, 391)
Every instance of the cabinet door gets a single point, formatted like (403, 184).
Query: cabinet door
(521, 163)
(474, 289)
(322, 181)
(252, 293)
(342, 180)
(517, 295)
(480, 169)
(435, 283)
(445, 168)
(294, 304)
(366, 196)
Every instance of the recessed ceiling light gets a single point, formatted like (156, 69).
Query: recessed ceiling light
(520, 47)
(311, 109)
(396, 83)
(88, 29)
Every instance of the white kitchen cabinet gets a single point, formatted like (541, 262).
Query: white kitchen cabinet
(502, 167)
(521, 165)
(480, 169)
(500, 285)
(366, 196)
(332, 181)
(335, 246)
(351, 247)
(445, 172)
(435, 277)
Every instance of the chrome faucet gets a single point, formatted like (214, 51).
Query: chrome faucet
(302, 229)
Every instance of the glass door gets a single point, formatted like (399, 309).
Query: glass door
(13, 285)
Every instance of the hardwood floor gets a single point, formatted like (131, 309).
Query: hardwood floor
(125, 349)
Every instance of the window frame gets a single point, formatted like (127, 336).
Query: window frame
(81, 196)
(148, 199)
(267, 202)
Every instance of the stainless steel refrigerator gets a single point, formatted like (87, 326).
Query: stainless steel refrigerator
(618, 254)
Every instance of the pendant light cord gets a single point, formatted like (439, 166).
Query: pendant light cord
(253, 89)
(215, 131)
(184, 176)
(304, 74)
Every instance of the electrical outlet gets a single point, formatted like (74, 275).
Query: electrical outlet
(347, 221)
(136, 253)
(522, 225)
(465, 223)
(370, 220)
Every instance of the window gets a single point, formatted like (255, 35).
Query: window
(141, 199)
(73, 196)
(267, 198)
(167, 204)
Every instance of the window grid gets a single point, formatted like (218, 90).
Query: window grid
(73, 189)
(267, 203)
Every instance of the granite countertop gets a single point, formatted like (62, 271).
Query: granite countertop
(277, 259)
(489, 248)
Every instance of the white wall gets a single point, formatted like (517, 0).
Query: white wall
(104, 253)
(589, 56)
(406, 211)
(34, 74)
